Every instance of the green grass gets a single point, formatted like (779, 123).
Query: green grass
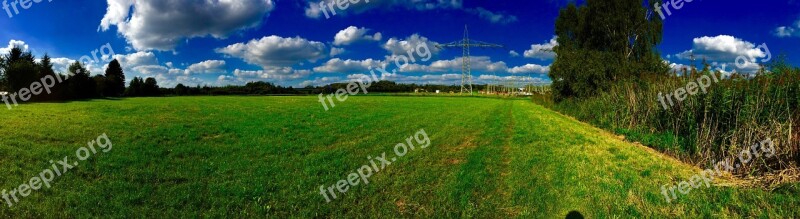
(268, 156)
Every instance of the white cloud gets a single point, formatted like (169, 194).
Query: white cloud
(354, 34)
(494, 79)
(513, 53)
(421, 79)
(496, 18)
(542, 51)
(479, 63)
(278, 73)
(136, 59)
(208, 66)
(679, 67)
(725, 50)
(322, 81)
(275, 51)
(337, 65)
(151, 69)
(402, 47)
(12, 44)
(61, 64)
(788, 31)
(336, 51)
(163, 24)
(529, 68)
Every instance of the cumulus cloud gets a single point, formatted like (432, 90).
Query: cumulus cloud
(208, 66)
(61, 64)
(542, 51)
(14, 44)
(496, 18)
(275, 51)
(337, 65)
(479, 63)
(788, 31)
(726, 50)
(721, 48)
(354, 34)
(675, 67)
(398, 47)
(136, 59)
(336, 51)
(529, 68)
(513, 53)
(422, 79)
(322, 81)
(151, 69)
(483, 79)
(278, 73)
(162, 24)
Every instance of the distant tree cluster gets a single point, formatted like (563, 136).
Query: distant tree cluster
(603, 42)
(19, 69)
(393, 87)
(267, 88)
(143, 88)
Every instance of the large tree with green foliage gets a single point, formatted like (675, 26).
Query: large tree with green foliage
(19, 68)
(150, 87)
(81, 85)
(115, 79)
(602, 42)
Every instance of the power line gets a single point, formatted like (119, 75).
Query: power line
(466, 64)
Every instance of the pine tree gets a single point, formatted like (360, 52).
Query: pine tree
(115, 79)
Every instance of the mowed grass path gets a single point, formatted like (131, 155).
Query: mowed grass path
(268, 156)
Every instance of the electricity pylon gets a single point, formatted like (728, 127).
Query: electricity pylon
(466, 65)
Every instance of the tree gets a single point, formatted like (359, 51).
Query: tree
(115, 79)
(150, 87)
(603, 42)
(44, 69)
(81, 86)
(19, 69)
(181, 89)
(101, 85)
(135, 88)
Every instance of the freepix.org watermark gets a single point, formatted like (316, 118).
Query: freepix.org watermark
(365, 172)
(24, 4)
(767, 147)
(675, 4)
(57, 169)
(340, 4)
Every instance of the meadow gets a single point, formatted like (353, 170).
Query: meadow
(268, 156)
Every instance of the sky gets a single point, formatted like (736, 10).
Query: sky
(295, 43)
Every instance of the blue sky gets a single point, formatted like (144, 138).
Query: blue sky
(290, 42)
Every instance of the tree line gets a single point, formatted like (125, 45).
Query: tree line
(19, 69)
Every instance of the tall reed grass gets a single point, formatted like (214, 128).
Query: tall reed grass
(732, 115)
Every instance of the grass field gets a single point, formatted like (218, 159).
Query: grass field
(268, 156)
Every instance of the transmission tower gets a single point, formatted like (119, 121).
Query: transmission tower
(466, 65)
